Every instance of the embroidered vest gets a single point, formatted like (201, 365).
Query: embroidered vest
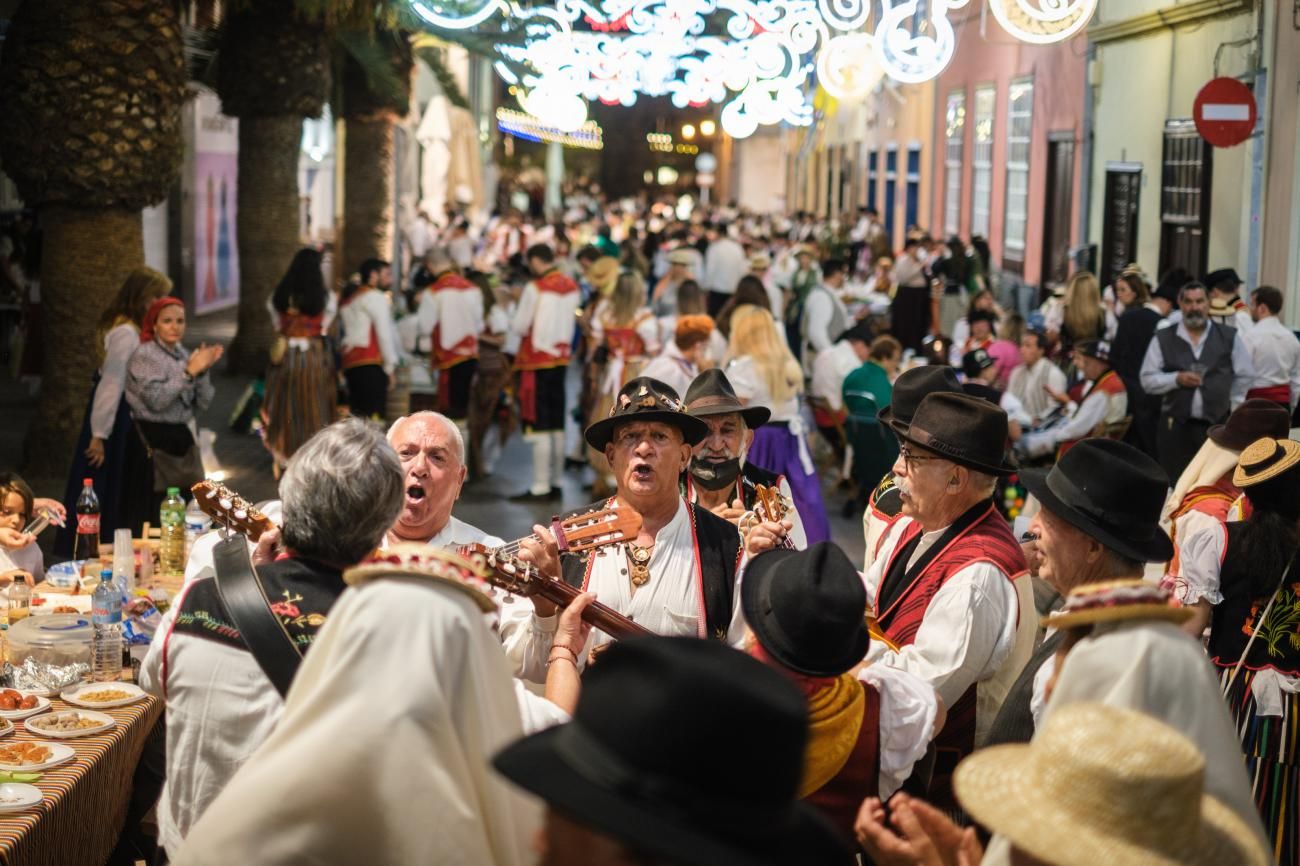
(1109, 384)
(1216, 358)
(299, 325)
(467, 348)
(533, 357)
(1237, 617)
(859, 778)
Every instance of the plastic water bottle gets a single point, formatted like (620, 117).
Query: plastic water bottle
(123, 564)
(171, 517)
(196, 523)
(106, 644)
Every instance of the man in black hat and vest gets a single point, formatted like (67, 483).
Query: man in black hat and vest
(1100, 520)
(626, 782)
(1203, 370)
(911, 387)
(720, 479)
(949, 585)
(678, 577)
(868, 726)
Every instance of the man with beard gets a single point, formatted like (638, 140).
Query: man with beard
(720, 479)
(1203, 371)
(678, 577)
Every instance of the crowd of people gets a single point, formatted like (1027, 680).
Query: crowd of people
(1075, 602)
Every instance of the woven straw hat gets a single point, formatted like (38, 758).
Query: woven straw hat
(428, 563)
(1264, 459)
(1111, 600)
(1104, 785)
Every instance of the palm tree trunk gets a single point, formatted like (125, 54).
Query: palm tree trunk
(88, 255)
(267, 227)
(369, 178)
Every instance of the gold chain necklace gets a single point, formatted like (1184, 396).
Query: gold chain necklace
(639, 560)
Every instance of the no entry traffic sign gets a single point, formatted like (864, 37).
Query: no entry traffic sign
(1224, 112)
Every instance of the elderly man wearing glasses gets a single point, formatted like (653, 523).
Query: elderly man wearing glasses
(948, 586)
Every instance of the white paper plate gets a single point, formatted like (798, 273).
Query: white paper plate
(59, 754)
(27, 796)
(42, 704)
(6, 727)
(33, 725)
(73, 695)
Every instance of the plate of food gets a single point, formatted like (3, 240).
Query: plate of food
(28, 756)
(68, 724)
(16, 796)
(97, 696)
(15, 704)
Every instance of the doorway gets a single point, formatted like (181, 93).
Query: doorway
(1119, 220)
(1057, 210)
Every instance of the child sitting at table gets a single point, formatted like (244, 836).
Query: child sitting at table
(20, 555)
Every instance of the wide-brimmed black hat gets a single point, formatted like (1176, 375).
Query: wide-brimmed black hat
(687, 750)
(646, 399)
(1171, 283)
(1097, 349)
(911, 387)
(711, 394)
(963, 428)
(806, 608)
(1224, 277)
(1254, 419)
(1111, 491)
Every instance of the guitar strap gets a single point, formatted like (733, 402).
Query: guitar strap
(245, 600)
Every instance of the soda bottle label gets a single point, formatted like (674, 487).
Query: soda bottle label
(88, 524)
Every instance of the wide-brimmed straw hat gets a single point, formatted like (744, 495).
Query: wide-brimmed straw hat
(681, 256)
(646, 399)
(426, 562)
(721, 793)
(1114, 600)
(1112, 492)
(1264, 459)
(964, 429)
(1104, 785)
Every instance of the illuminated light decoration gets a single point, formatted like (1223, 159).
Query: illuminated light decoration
(438, 16)
(912, 55)
(1042, 21)
(847, 67)
(553, 103)
(707, 128)
(667, 175)
(589, 136)
(688, 131)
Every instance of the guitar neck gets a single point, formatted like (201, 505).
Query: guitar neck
(601, 616)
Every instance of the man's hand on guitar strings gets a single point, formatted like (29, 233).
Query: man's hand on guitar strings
(766, 536)
(572, 631)
(541, 550)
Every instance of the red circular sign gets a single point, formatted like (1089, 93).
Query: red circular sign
(1224, 112)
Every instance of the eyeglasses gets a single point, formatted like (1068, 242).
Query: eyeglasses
(909, 456)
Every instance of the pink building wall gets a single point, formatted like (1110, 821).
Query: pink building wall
(1058, 71)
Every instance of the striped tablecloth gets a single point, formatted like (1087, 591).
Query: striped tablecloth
(85, 802)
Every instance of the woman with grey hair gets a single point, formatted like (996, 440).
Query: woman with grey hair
(340, 493)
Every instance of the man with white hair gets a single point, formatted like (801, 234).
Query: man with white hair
(451, 314)
(341, 491)
(432, 453)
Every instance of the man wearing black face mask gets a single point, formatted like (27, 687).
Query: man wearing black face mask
(719, 479)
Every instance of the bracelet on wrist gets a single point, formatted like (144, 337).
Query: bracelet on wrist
(553, 659)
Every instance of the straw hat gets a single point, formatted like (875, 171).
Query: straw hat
(428, 563)
(1221, 309)
(1104, 785)
(1111, 600)
(1264, 459)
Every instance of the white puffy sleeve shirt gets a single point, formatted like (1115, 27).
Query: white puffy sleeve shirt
(119, 344)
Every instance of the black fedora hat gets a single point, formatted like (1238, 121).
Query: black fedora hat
(1224, 279)
(963, 428)
(911, 388)
(1254, 419)
(806, 608)
(716, 791)
(646, 399)
(1096, 349)
(1111, 491)
(711, 394)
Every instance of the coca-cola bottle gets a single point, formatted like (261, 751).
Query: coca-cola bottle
(87, 543)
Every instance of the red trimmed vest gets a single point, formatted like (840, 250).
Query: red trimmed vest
(532, 357)
(467, 348)
(297, 325)
(989, 539)
(859, 778)
(1109, 384)
(360, 356)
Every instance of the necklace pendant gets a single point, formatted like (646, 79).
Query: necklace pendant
(640, 575)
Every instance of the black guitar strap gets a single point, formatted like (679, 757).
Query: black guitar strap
(245, 600)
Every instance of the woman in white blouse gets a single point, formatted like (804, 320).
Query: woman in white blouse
(763, 372)
(109, 451)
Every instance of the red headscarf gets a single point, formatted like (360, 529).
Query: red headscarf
(151, 316)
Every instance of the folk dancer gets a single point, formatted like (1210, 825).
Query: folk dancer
(451, 312)
(949, 586)
(720, 478)
(1274, 349)
(540, 341)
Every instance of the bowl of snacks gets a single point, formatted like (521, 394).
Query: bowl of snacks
(98, 696)
(15, 704)
(68, 724)
(28, 756)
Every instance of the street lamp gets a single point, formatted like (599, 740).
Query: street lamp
(707, 128)
(688, 131)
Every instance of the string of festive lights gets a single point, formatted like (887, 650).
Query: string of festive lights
(588, 136)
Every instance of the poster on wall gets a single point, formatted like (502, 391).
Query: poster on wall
(216, 177)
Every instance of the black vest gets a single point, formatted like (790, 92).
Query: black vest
(719, 544)
(1216, 359)
(1014, 722)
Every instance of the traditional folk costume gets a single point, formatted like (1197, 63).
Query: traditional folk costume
(624, 348)
(1276, 354)
(686, 584)
(1031, 384)
(370, 350)
(867, 729)
(711, 394)
(451, 312)
(541, 340)
(301, 383)
(952, 599)
(1105, 402)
